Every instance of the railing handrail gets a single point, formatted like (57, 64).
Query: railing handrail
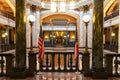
(115, 54)
(112, 15)
(6, 14)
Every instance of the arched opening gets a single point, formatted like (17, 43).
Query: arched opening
(59, 30)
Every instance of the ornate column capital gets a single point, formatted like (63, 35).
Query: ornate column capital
(28, 5)
(38, 8)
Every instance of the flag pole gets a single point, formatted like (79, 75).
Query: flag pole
(77, 48)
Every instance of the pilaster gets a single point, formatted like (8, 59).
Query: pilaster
(28, 40)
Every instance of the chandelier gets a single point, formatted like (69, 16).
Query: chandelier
(59, 5)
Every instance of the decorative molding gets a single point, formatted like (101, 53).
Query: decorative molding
(111, 22)
(6, 21)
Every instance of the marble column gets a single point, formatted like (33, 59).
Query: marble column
(90, 28)
(66, 38)
(52, 38)
(20, 53)
(36, 27)
(119, 30)
(119, 39)
(82, 31)
(0, 39)
(111, 30)
(97, 47)
(28, 39)
(7, 36)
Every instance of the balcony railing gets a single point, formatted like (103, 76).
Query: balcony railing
(60, 62)
(6, 64)
(70, 44)
(114, 14)
(112, 64)
(6, 14)
(7, 47)
(113, 48)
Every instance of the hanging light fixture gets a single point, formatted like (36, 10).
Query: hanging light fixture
(72, 5)
(62, 7)
(42, 4)
(53, 6)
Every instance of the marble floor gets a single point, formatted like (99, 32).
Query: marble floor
(58, 76)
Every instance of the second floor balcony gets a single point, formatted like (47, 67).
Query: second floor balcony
(114, 14)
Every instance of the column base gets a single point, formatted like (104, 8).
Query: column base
(18, 73)
(99, 75)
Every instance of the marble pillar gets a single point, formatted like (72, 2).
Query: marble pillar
(111, 30)
(90, 27)
(119, 39)
(20, 67)
(36, 27)
(97, 47)
(66, 38)
(28, 39)
(82, 31)
(52, 38)
(0, 39)
(119, 31)
(7, 36)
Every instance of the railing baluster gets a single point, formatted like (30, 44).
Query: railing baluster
(71, 62)
(59, 62)
(62, 65)
(9, 62)
(77, 64)
(41, 66)
(65, 61)
(53, 59)
(116, 65)
(46, 61)
(2, 65)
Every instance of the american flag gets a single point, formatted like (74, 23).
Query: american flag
(41, 48)
(76, 50)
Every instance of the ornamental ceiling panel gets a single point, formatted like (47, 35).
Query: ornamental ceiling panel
(5, 7)
(59, 18)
